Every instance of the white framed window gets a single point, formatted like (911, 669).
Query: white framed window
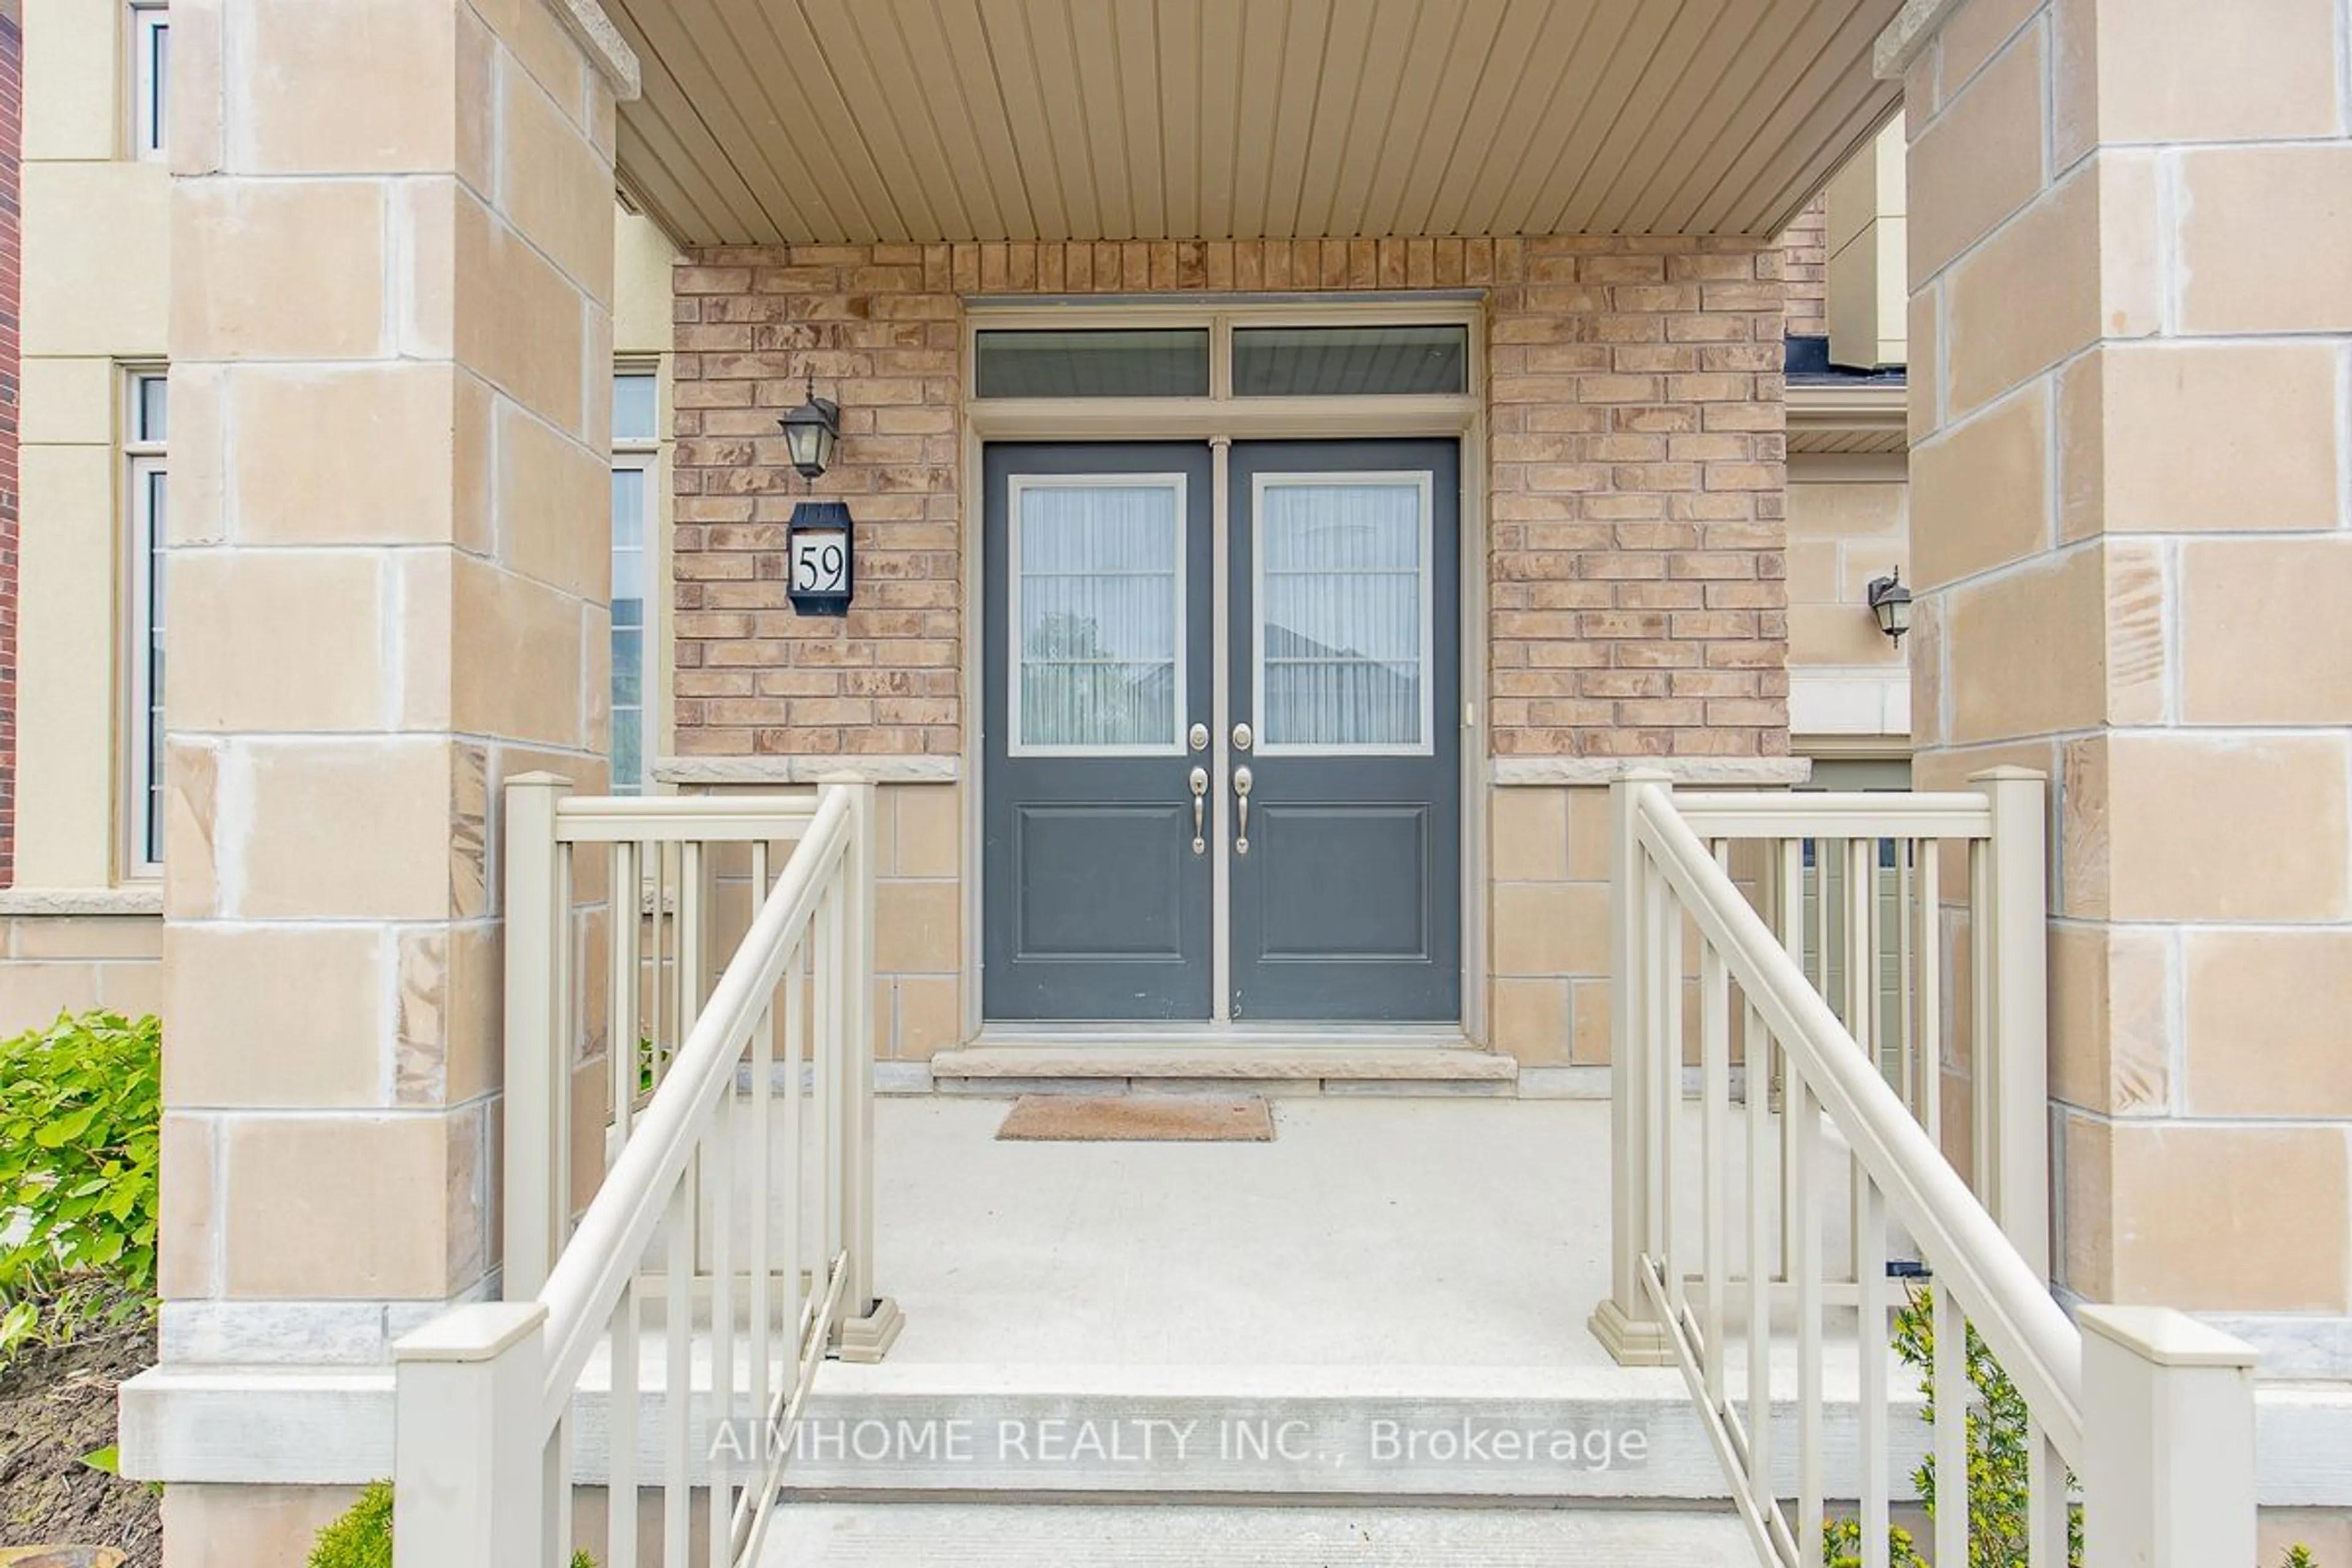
(1096, 615)
(636, 467)
(145, 427)
(1342, 612)
(151, 78)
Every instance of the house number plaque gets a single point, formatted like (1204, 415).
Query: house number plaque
(820, 559)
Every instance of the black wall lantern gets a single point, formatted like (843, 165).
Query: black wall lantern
(1890, 601)
(810, 432)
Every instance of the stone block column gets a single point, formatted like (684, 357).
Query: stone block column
(2131, 327)
(391, 392)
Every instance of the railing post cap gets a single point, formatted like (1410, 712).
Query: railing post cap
(2008, 773)
(478, 1332)
(2165, 1337)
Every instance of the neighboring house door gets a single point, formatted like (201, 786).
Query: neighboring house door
(1104, 754)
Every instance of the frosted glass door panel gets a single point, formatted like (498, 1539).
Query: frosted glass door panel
(1098, 609)
(1343, 614)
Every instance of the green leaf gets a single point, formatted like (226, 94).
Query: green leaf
(106, 1462)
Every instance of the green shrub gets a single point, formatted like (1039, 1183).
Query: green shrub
(361, 1538)
(81, 1105)
(2000, 1437)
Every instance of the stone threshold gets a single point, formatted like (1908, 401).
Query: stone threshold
(1270, 1068)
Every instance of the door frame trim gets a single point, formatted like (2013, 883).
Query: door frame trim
(1219, 421)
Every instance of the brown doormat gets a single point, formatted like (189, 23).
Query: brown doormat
(1139, 1118)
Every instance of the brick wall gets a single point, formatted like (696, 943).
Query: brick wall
(12, 57)
(1634, 496)
(1636, 507)
(1805, 264)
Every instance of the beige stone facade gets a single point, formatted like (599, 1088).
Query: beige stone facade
(2128, 416)
(444, 294)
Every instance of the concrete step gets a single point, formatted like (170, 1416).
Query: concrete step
(1403, 1064)
(906, 1535)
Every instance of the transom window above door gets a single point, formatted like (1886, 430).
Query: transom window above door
(1240, 353)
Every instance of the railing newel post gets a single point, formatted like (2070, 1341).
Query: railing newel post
(2013, 1044)
(469, 1449)
(534, 1144)
(1625, 1322)
(2168, 1468)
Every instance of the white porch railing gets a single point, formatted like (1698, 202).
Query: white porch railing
(2150, 1410)
(729, 1236)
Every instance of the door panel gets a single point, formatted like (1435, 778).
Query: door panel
(1345, 599)
(1098, 659)
(1343, 882)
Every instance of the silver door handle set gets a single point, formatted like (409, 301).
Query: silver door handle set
(1243, 740)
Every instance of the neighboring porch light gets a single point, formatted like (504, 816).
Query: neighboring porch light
(810, 432)
(1890, 601)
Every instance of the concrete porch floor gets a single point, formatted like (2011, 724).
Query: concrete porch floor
(1386, 1266)
(1413, 1235)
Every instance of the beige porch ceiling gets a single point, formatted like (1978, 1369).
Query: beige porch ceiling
(833, 121)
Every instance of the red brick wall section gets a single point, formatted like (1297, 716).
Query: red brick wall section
(1635, 488)
(12, 58)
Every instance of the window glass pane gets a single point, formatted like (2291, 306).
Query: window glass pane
(636, 409)
(1342, 586)
(150, 414)
(630, 587)
(1109, 364)
(150, 831)
(1342, 362)
(1099, 587)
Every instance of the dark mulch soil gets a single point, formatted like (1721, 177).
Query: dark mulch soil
(57, 1403)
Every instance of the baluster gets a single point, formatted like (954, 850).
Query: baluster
(824, 1050)
(1870, 1346)
(1861, 958)
(1758, 1050)
(1983, 1056)
(622, 949)
(1665, 1014)
(1859, 859)
(567, 1050)
(2047, 1506)
(1948, 1376)
(656, 855)
(677, 1379)
(764, 1186)
(621, 1435)
(1907, 1033)
(1792, 926)
(555, 1488)
(793, 1243)
(1715, 1112)
(1931, 985)
(1806, 1155)
(693, 937)
(716, 1158)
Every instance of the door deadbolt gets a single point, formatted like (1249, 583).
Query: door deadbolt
(1199, 737)
(1241, 737)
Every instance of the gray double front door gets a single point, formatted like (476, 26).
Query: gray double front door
(1302, 839)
